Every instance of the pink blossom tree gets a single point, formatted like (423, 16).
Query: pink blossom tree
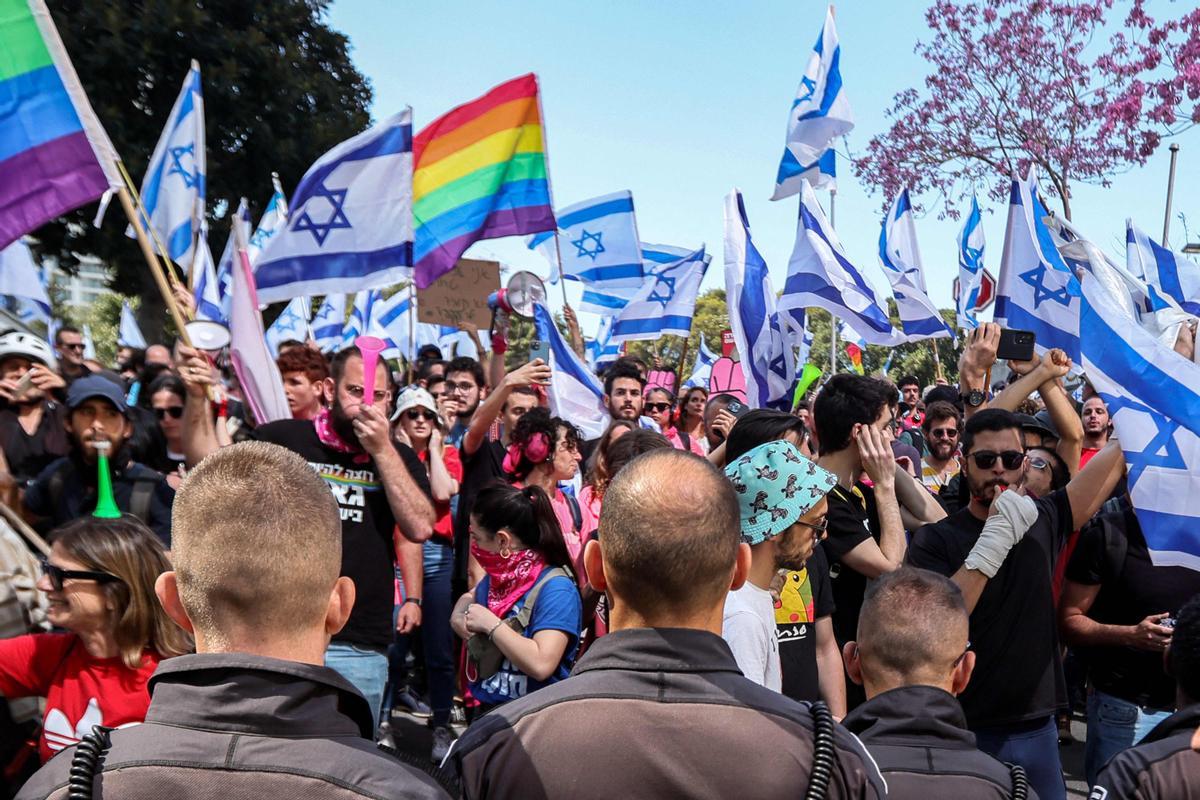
(1012, 83)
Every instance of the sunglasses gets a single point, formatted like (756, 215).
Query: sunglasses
(817, 528)
(944, 433)
(1037, 462)
(658, 407)
(175, 412)
(415, 414)
(986, 459)
(57, 575)
(79, 347)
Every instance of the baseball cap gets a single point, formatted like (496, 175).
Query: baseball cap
(775, 486)
(414, 397)
(91, 386)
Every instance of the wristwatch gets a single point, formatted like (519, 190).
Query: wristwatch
(414, 600)
(973, 398)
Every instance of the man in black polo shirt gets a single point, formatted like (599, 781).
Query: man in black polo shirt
(854, 423)
(1018, 683)
(380, 485)
(1115, 610)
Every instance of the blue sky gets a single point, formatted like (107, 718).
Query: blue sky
(681, 101)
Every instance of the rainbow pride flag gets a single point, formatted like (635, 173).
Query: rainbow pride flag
(479, 173)
(54, 154)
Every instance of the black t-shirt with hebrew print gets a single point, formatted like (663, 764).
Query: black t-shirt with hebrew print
(368, 549)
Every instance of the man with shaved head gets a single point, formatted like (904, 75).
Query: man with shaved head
(661, 694)
(913, 658)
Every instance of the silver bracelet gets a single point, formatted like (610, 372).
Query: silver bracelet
(492, 632)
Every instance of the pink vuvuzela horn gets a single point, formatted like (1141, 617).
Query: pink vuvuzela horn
(370, 347)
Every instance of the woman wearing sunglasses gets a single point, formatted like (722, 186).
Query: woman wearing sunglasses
(659, 406)
(99, 581)
(167, 396)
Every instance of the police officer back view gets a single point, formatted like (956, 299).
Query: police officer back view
(912, 657)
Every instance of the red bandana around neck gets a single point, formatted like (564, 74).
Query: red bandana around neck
(323, 424)
(508, 578)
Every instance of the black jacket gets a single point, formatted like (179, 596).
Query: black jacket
(237, 726)
(1166, 765)
(918, 736)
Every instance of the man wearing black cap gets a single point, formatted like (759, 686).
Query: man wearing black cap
(66, 489)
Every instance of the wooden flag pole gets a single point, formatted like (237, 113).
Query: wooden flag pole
(153, 234)
(562, 278)
(937, 361)
(412, 332)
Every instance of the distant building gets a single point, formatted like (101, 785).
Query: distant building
(84, 287)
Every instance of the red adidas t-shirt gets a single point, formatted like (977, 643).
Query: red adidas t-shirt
(80, 691)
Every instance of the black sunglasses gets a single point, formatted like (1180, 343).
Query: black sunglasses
(944, 433)
(80, 347)
(57, 575)
(658, 407)
(175, 412)
(986, 459)
(418, 413)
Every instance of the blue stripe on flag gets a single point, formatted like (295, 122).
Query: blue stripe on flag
(622, 205)
(306, 269)
(397, 139)
(609, 273)
(666, 324)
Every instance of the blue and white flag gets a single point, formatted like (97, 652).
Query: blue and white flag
(173, 189)
(239, 230)
(292, 323)
(128, 332)
(89, 344)
(821, 275)
(273, 220)
(207, 291)
(21, 278)
(820, 113)
(1153, 395)
(970, 267)
(665, 303)
(1036, 290)
(600, 352)
(598, 242)
(767, 356)
(702, 370)
(901, 260)
(657, 256)
(1171, 274)
(328, 324)
(821, 174)
(574, 391)
(350, 226)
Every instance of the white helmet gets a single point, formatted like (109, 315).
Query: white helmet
(18, 343)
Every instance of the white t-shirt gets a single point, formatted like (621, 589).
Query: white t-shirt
(749, 629)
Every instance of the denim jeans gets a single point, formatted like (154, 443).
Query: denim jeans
(1032, 745)
(437, 639)
(366, 669)
(1114, 725)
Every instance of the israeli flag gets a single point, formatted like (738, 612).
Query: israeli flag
(1172, 275)
(820, 113)
(821, 174)
(89, 344)
(21, 278)
(128, 332)
(657, 256)
(767, 357)
(600, 351)
(1153, 394)
(292, 323)
(598, 242)
(273, 220)
(1036, 290)
(702, 370)
(350, 226)
(821, 275)
(901, 260)
(173, 189)
(327, 325)
(970, 267)
(665, 303)
(207, 292)
(574, 392)
(239, 230)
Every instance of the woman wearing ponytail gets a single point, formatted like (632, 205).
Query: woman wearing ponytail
(543, 452)
(522, 620)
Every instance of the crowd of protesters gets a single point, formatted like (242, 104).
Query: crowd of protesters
(887, 590)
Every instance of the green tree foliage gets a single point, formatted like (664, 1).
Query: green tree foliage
(279, 90)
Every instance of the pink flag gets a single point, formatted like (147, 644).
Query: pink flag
(262, 385)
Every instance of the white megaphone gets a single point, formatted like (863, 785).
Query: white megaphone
(207, 335)
(523, 291)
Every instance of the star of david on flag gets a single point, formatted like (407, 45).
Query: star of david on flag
(901, 260)
(599, 246)
(970, 266)
(1036, 290)
(1153, 395)
(665, 303)
(352, 223)
(173, 188)
(292, 323)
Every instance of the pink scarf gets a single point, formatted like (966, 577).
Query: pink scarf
(508, 578)
(330, 438)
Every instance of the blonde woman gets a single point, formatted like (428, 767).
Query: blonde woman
(99, 583)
